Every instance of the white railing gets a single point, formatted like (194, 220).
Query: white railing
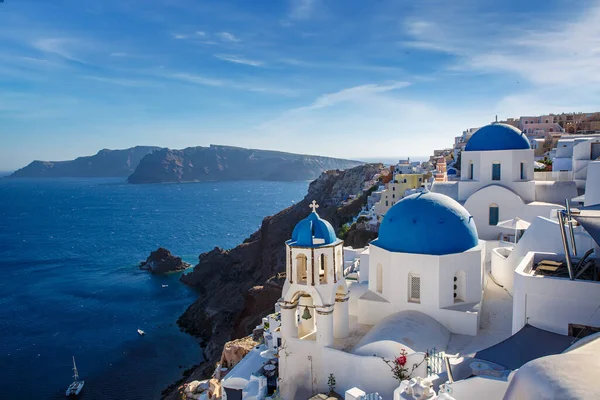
(553, 176)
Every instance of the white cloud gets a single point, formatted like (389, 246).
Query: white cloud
(353, 94)
(120, 81)
(228, 37)
(200, 33)
(61, 47)
(561, 55)
(239, 60)
(119, 54)
(179, 36)
(200, 80)
(245, 86)
(357, 94)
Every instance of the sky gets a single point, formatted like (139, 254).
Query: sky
(343, 78)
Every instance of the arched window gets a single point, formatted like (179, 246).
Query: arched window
(460, 286)
(496, 171)
(322, 268)
(471, 167)
(414, 288)
(394, 188)
(387, 203)
(379, 278)
(301, 269)
(494, 214)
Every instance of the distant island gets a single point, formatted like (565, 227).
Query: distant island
(226, 163)
(150, 164)
(106, 163)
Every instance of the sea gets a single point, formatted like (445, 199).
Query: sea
(70, 285)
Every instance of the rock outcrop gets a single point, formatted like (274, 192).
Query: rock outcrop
(220, 163)
(238, 287)
(161, 261)
(106, 163)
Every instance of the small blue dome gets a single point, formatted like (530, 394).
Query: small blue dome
(427, 223)
(451, 171)
(498, 137)
(313, 227)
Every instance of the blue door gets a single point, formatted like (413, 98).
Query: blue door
(494, 215)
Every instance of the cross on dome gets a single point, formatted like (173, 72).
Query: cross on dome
(314, 206)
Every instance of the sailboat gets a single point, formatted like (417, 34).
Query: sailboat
(77, 385)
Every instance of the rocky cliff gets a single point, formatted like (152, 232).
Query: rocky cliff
(240, 286)
(106, 163)
(219, 163)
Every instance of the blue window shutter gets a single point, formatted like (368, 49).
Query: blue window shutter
(495, 172)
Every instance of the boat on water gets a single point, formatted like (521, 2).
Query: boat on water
(165, 285)
(141, 332)
(75, 388)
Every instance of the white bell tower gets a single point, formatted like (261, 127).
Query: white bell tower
(314, 302)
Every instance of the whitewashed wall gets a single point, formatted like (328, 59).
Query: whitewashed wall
(437, 286)
(302, 377)
(552, 303)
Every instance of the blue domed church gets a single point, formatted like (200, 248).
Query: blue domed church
(428, 258)
(497, 182)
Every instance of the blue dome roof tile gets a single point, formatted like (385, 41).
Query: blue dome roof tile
(313, 227)
(498, 137)
(427, 223)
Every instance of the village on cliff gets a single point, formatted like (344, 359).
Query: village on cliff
(482, 282)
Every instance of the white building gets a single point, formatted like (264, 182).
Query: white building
(497, 181)
(427, 258)
(584, 152)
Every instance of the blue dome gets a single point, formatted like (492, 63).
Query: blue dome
(427, 223)
(313, 227)
(498, 137)
(451, 171)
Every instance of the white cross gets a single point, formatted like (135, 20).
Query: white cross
(314, 206)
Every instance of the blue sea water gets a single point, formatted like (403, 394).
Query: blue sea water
(70, 285)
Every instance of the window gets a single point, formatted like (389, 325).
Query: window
(387, 203)
(414, 288)
(496, 171)
(471, 166)
(394, 188)
(404, 180)
(379, 278)
(459, 286)
(523, 171)
(394, 196)
(301, 268)
(323, 268)
(494, 214)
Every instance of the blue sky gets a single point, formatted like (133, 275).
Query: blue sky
(344, 78)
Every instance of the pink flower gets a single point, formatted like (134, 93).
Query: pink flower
(401, 360)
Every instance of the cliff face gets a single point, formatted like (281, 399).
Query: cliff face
(106, 163)
(240, 286)
(219, 163)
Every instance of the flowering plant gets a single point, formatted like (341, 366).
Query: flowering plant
(399, 368)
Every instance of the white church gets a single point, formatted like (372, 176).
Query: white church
(425, 286)
(497, 181)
